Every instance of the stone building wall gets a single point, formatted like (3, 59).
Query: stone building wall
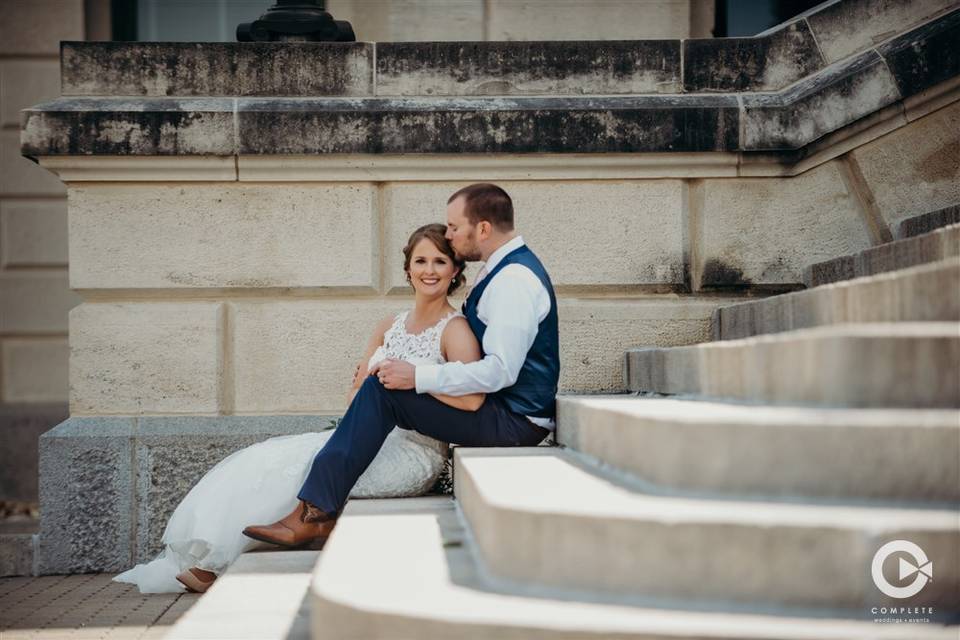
(467, 20)
(34, 293)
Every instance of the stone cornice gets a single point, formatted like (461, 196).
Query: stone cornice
(786, 122)
(572, 166)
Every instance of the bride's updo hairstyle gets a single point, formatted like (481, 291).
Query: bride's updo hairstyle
(435, 233)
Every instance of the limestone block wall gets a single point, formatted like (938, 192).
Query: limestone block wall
(34, 295)
(466, 20)
(255, 296)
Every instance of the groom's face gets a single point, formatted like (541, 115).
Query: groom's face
(461, 234)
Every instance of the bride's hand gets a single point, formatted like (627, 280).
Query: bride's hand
(395, 374)
(359, 375)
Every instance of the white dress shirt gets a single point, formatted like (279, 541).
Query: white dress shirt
(512, 306)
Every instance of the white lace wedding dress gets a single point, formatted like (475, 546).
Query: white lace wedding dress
(259, 484)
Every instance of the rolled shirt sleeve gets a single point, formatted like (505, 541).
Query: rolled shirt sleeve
(512, 307)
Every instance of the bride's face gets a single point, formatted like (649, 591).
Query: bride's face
(431, 270)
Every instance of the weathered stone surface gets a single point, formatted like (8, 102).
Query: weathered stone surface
(695, 445)
(927, 293)
(914, 169)
(21, 177)
(779, 548)
(764, 231)
(906, 364)
(20, 428)
(928, 222)
(16, 554)
(86, 496)
(24, 83)
(437, 549)
(35, 369)
(129, 126)
(835, 270)
(642, 226)
(491, 125)
(261, 595)
(765, 63)
(146, 357)
(107, 488)
(594, 334)
(166, 236)
(523, 68)
(937, 245)
(33, 233)
(818, 104)
(35, 302)
(844, 28)
(193, 445)
(299, 356)
(926, 56)
(217, 69)
(38, 26)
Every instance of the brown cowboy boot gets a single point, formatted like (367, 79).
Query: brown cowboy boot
(305, 526)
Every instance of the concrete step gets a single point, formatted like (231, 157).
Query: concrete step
(262, 596)
(908, 365)
(928, 222)
(929, 247)
(548, 517)
(929, 292)
(712, 447)
(16, 554)
(410, 571)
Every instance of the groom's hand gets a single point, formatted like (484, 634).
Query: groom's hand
(395, 374)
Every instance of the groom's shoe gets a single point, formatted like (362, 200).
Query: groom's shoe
(305, 526)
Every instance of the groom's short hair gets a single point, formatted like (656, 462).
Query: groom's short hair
(485, 201)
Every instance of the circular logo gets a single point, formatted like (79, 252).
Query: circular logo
(921, 566)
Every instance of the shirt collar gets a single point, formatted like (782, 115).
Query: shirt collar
(501, 253)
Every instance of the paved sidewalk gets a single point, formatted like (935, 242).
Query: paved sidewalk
(85, 607)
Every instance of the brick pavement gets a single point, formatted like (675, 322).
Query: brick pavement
(85, 607)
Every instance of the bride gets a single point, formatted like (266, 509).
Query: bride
(259, 483)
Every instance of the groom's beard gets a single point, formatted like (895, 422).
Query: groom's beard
(469, 257)
(470, 253)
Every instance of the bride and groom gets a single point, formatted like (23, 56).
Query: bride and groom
(483, 377)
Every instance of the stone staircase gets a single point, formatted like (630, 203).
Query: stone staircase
(701, 515)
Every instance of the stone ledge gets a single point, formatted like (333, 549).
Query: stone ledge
(16, 554)
(787, 121)
(129, 126)
(527, 68)
(21, 426)
(926, 56)
(497, 125)
(216, 68)
(927, 222)
(940, 244)
(768, 62)
(102, 507)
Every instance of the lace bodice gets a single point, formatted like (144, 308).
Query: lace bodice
(416, 348)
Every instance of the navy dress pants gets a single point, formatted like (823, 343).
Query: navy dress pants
(373, 414)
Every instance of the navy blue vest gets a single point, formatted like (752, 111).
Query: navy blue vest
(534, 393)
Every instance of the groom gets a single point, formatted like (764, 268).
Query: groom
(513, 312)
